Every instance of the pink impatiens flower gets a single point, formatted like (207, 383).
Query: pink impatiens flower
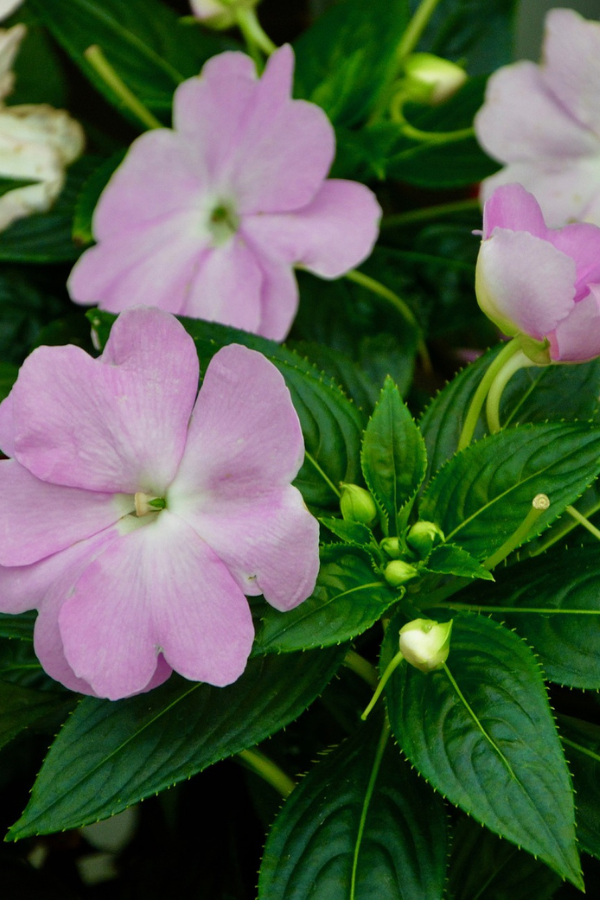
(543, 122)
(539, 283)
(136, 517)
(208, 219)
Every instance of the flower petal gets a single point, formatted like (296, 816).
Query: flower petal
(331, 235)
(244, 438)
(39, 519)
(227, 287)
(283, 149)
(158, 589)
(157, 158)
(278, 299)
(523, 283)
(151, 264)
(581, 242)
(116, 424)
(270, 545)
(512, 207)
(565, 189)
(577, 338)
(521, 120)
(7, 426)
(571, 67)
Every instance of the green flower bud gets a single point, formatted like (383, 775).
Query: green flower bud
(392, 547)
(357, 505)
(220, 14)
(425, 643)
(397, 572)
(430, 79)
(423, 536)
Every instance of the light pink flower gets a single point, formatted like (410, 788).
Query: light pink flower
(544, 122)
(537, 282)
(126, 590)
(208, 220)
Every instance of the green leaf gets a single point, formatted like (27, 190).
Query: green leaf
(331, 424)
(348, 599)
(21, 708)
(46, 237)
(486, 868)
(568, 642)
(8, 376)
(448, 559)
(11, 184)
(582, 748)
(347, 56)
(143, 40)
(393, 454)
(547, 394)
(112, 754)
(481, 496)
(317, 840)
(39, 74)
(488, 741)
(89, 196)
(348, 532)
(20, 626)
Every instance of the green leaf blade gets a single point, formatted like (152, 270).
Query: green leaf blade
(110, 755)
(499, 757)
(311, 849)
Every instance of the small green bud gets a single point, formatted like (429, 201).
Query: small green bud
(425, 643)
(357, 505)
(423, 536)
(392, 547)
(220, 14)
(397, 572)
(430, 79)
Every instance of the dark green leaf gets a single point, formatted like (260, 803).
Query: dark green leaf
(316, 838)
(8, 376)
(348, 599)
(581, 741)
(567, 643)
(89, 196)
(39, 75)
(550, 394)
(349, 532)
(448, 559)
(142, 39)
(346, 57)
(20, 627)
(331, 424)
(486, 868)
(488, 742)
(11, 184)
(46, 237)
(481, 496)
(112, 754)
(393, 454)
(21, 708)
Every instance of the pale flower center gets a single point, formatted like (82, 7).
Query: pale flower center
(146, 504)
(222, 223)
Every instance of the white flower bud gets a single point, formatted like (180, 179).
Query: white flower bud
(430, 79)
(425, 643)
(37, 142)
(7, 7)
(219, 13)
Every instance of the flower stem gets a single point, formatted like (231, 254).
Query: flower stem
(482, 391)
(510, 368)
(398, 220)
(416, 27)
(542, 611)
(539, 505)
(416, 134)
(371, 284)
(253, 33)
(359, 665)
(261, 765)
(581, 519)
(392, 666)
(385, 733)
(103, 68)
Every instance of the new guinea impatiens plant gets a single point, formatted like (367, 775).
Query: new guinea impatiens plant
(340, 595)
